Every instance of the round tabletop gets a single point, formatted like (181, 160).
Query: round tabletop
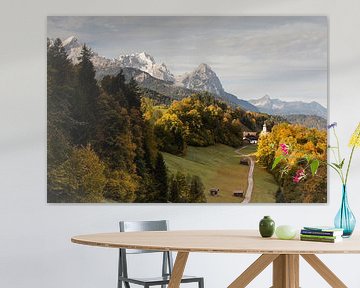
(217, 241)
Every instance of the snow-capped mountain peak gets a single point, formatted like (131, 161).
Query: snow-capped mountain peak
(202, 78)
(266, 97)
(141, 57)
(263, 101)
(71, 42)
(278, 107)
(204, 68)
(145, 62)
(145, 56)
(142, 61)
(73, 48)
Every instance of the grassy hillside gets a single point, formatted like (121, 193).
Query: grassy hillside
(218, 166)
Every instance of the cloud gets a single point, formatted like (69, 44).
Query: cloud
(284, 56)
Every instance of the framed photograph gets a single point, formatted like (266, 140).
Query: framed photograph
(187, 109)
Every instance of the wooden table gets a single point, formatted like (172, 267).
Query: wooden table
(284, 254)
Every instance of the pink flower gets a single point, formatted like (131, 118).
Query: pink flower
(284, 149)
(299, 175)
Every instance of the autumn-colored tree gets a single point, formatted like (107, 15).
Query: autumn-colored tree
(109, 117)
(203, 121)
(302, 144)
(150, 115)
(81, 178)
(121, 186)
(171, 134)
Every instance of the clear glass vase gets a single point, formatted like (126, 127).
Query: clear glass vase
(345, 219)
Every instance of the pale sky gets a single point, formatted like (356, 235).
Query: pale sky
(284, 57)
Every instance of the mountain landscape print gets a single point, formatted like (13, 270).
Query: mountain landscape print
(150, 109)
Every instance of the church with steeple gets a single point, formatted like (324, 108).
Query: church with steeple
(264, 131)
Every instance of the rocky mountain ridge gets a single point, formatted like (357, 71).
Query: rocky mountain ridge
(271, 106)
(202, 78)
(141, 61)
(154, 76)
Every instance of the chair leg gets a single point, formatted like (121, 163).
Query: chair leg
(164, 267)
(120, 273)
(201, 283)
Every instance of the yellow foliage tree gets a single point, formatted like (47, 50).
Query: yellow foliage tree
(304, 149)
(81, 178)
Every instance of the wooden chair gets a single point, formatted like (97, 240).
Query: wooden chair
(167, 263)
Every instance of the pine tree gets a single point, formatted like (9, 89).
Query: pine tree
(148, 158)
(58, 66)
(85, 102)
(161, 180)
(197, 190)
(114, 141)
(116, 86)
(179, 188)
(133, 94)
(174, 190)
(60, 89)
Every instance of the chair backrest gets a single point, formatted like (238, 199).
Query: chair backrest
(137, 226)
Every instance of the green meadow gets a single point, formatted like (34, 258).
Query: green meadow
(219, 167)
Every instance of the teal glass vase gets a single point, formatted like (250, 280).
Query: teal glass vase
(345, 219)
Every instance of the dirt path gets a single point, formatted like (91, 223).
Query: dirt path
(250, 186)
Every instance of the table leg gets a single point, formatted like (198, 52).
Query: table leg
(253, 270)
(324, 271)
(286, 271)
(178, 269)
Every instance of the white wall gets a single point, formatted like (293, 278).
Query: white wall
(35, 248)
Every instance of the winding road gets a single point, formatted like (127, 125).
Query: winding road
(250, 186)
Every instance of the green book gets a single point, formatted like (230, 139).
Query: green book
(324, 228)
(325, 240)
(319, 236)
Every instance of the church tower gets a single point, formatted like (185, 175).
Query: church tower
(264, 130)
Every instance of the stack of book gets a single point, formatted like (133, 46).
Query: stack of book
(321, 234)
